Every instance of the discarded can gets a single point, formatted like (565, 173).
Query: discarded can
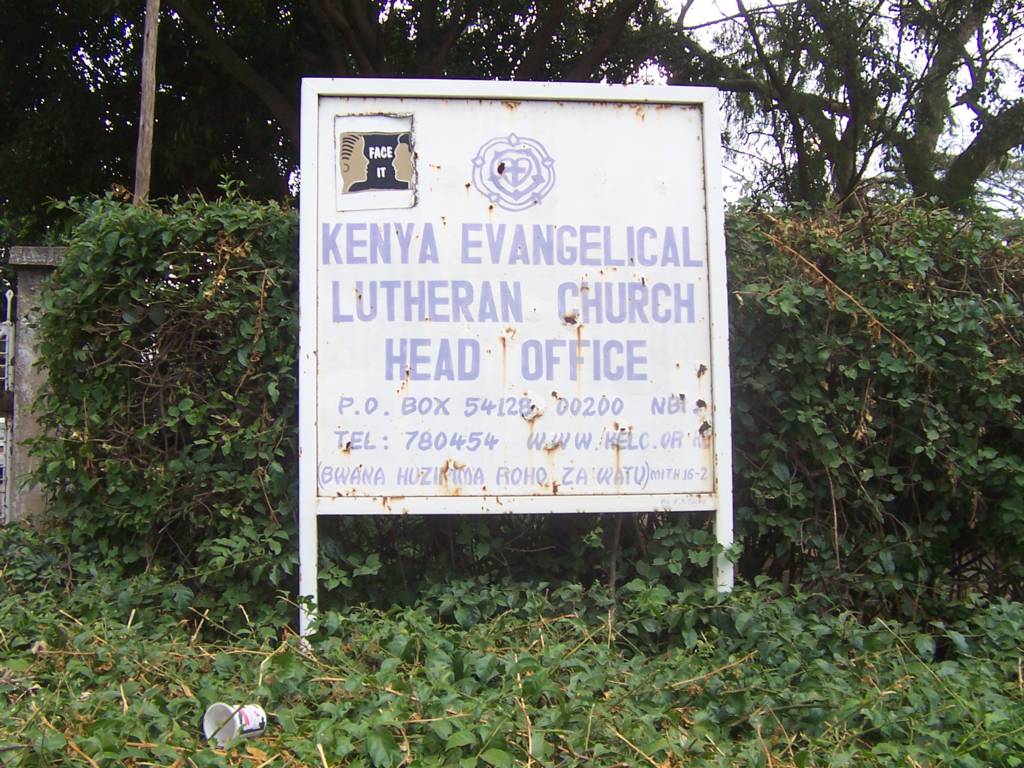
(225, 722)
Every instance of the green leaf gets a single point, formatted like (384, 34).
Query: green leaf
(382, 747)
(499, 758)
(743, 620)
(925, 645)
(110, 241)
(461, 738)
(540, 748)
(442, 729)
(52, 741)
(959, 641)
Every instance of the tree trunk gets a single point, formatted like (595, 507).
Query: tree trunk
(147, 108)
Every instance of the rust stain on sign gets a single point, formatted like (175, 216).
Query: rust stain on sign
(618, 466)
(534, 412)
(387, 502)
(706, 432)
(406, 378)
(446, 467)
(504, 361)
(505, 338)
(579, 356)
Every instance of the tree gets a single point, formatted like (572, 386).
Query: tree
(70, 98)
(834, 98)
(509, 40)
(926, 93)
(56, 100)
(229, 72)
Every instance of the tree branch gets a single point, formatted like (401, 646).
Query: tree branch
(281, 108)
(360, 13)
(796, 105)
(764, 60)
(540, 39)
(324, 29)
(1001, 134)
(356, 42)
(426, 31)
(862, 103)
(931, 105)
(586, 66)
(736, 80)
(460, 19)
(368, 28)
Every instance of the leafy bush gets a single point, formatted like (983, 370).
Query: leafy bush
(876, 368)
(116, 669)
(170, 335)
(877, 374)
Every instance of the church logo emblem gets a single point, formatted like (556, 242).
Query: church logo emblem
(513, 172)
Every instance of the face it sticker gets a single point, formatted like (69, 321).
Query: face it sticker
(375, 162)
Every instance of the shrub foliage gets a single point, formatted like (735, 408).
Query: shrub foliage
(877, 373)
(100, 668)
(170, 336)
(876, 367)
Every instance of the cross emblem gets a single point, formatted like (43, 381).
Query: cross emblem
(516, 169)
(514, 172)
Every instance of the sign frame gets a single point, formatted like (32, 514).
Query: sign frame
(312, 504)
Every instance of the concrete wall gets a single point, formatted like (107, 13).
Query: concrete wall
(32, 265)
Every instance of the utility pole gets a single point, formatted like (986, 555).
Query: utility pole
(144, 149)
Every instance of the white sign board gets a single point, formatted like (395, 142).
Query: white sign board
(512, 300)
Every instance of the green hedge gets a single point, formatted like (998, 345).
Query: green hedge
(170, 335)
(876, 368)
(877, 378)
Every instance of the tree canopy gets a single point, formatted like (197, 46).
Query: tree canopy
(925, 95)
(832, 98)
(229, 71)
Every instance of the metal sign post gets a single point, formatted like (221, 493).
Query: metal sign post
(513, 300)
